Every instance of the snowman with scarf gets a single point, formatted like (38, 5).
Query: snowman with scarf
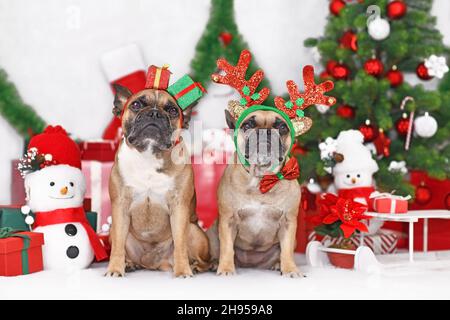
(55, 188)
(353, 168)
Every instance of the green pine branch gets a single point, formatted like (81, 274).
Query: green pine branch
(20, 115)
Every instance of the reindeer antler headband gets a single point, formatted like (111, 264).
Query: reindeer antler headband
(291, 111)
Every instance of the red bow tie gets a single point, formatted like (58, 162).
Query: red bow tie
(290, 171)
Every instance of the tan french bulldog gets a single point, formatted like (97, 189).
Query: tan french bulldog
(153, 198)
(259, 194)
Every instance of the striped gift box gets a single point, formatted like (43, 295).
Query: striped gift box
(383, 242)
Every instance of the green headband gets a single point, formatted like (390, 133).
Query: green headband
(254, 108)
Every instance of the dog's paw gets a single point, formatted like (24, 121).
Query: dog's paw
(293, 273)
(115, 269)
(226, 271)
(111, 272)
(183, 272)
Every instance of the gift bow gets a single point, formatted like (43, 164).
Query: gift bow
(385, 195)
(8, 232)
(290, 171)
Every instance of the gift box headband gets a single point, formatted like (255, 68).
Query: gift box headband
(185, 90)
(291, 111)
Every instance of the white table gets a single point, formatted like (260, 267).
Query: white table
(411, 217)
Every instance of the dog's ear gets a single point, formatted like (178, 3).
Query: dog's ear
(231, 122)
(120, 99)
(187, 113)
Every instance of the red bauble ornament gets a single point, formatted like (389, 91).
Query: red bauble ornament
(336, 6)
(422, 72)
(369, 131)
(330, 65)
(340, 71)
(226, 38)
(349, 40)
(374, 67)
(423, 194)
(395, 77)
(345, 111)
(402, 125)
(396, 9)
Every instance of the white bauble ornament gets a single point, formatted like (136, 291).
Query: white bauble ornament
(379, 29)
(425, 126)
(313, 186)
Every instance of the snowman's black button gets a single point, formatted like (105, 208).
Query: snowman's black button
(71, 230)
(72, 252)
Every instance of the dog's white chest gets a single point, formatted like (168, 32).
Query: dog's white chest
(139, 171)
(258, 217)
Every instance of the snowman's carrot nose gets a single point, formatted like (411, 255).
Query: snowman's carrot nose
(63, 191)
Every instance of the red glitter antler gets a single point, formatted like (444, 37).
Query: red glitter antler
(314, 94)
(235, 77)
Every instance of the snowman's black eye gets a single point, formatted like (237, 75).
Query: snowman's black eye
(52, 184)
(71, 184)
(358, 175)
(348, 176)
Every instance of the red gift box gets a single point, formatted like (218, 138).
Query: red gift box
(104, 239)
(389, 203)
(308, 207)
(383, 242)
(104, 150)
(97, 181)
(386, 205)
(158, 78)
(16, 259)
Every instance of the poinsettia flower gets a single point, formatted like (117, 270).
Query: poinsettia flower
(325, 202)
(350, 213)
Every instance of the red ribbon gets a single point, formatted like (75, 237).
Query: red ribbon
(290, 171)
(189, 88)
(69, 215)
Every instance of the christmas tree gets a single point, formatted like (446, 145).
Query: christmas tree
(366, 49)
(221, 39)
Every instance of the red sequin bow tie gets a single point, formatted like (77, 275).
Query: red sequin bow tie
(290, 171)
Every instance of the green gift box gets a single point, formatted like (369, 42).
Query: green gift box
(14, 219)
(186, 91)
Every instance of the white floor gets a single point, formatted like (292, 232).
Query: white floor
(430, 282)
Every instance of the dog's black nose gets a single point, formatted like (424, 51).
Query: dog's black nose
(154, 114)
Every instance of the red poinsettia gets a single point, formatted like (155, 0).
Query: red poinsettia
(346, 212)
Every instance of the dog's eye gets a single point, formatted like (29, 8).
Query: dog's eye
(248, 125)
(172, 111)
(283, 129)
(136, 105)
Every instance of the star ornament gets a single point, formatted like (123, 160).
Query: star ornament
(349, 213)
(436, 66)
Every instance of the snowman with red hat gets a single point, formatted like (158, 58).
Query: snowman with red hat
(353, 167)
(55, 188)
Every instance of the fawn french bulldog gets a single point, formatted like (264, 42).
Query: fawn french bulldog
(259, 195)
(154, 224)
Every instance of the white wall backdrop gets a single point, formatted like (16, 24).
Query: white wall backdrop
(51, 50)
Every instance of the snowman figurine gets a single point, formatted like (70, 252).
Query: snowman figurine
(55, 188)
(353, 174)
